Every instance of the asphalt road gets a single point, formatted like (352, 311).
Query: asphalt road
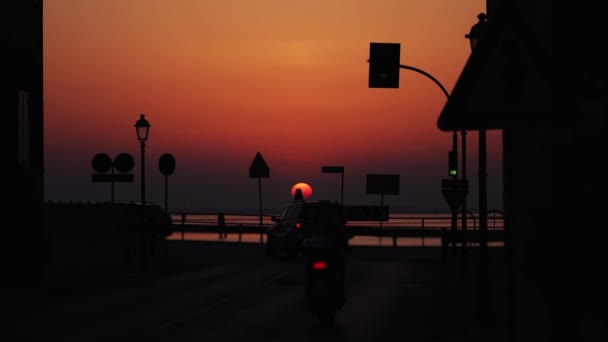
(233, 292)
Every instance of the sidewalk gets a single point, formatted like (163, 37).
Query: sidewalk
(448, 298)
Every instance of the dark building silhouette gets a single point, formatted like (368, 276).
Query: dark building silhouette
(552, 114)
(23, 241)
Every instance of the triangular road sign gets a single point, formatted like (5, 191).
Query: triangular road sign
(259, 168)
(454, 197)
(454, 191)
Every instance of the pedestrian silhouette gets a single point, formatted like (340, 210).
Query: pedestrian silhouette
(221, 223)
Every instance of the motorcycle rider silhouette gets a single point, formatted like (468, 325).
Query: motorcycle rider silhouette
(323, 247)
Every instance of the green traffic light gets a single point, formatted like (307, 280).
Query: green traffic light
(452, 163)
(384, 76)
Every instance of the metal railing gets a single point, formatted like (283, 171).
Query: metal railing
(398, 225)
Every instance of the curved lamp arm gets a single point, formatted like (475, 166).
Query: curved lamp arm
(427, 75)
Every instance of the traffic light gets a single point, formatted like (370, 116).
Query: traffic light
(384, 61)
(452, 163)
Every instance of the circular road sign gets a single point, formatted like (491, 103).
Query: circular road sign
(102, 163)
(124, 162)
(166, 164)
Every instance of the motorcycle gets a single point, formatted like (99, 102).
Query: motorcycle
(325, 283)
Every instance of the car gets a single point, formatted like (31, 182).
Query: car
(300, 219)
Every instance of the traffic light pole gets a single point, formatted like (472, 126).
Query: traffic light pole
(455, 177)
(483, 244)
(455, 149)
(464, 202)
(383, 73)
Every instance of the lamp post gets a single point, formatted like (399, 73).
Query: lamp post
(475, 36)
(142, 127)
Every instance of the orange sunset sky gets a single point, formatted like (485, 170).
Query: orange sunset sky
(221, 80)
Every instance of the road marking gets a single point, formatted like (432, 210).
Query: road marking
(217, 303)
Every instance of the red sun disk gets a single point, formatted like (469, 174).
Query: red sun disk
(306, 190)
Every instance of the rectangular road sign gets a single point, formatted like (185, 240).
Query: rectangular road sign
(366, 212)
(332, 169)
(383, 184)
(109, 178)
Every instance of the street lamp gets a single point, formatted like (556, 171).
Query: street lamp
(475, 36)
(142, 127)
(477, 31)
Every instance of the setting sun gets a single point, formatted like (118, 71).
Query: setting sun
(306, 190)
(222, 80)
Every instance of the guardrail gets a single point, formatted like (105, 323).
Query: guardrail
(398, 226)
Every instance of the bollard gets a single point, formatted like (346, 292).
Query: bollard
(183, 225)
(444, 245)
(423, 232)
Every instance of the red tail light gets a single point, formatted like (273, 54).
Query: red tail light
(298, 224)
(345, 224)
(319, 265)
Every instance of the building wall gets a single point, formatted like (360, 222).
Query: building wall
(553, 185)
(22, 108)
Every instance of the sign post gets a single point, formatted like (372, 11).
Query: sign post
(259, 169)
(336, 169)
(166, 165)
(102, 163)
(382, 184)
(454, 191)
